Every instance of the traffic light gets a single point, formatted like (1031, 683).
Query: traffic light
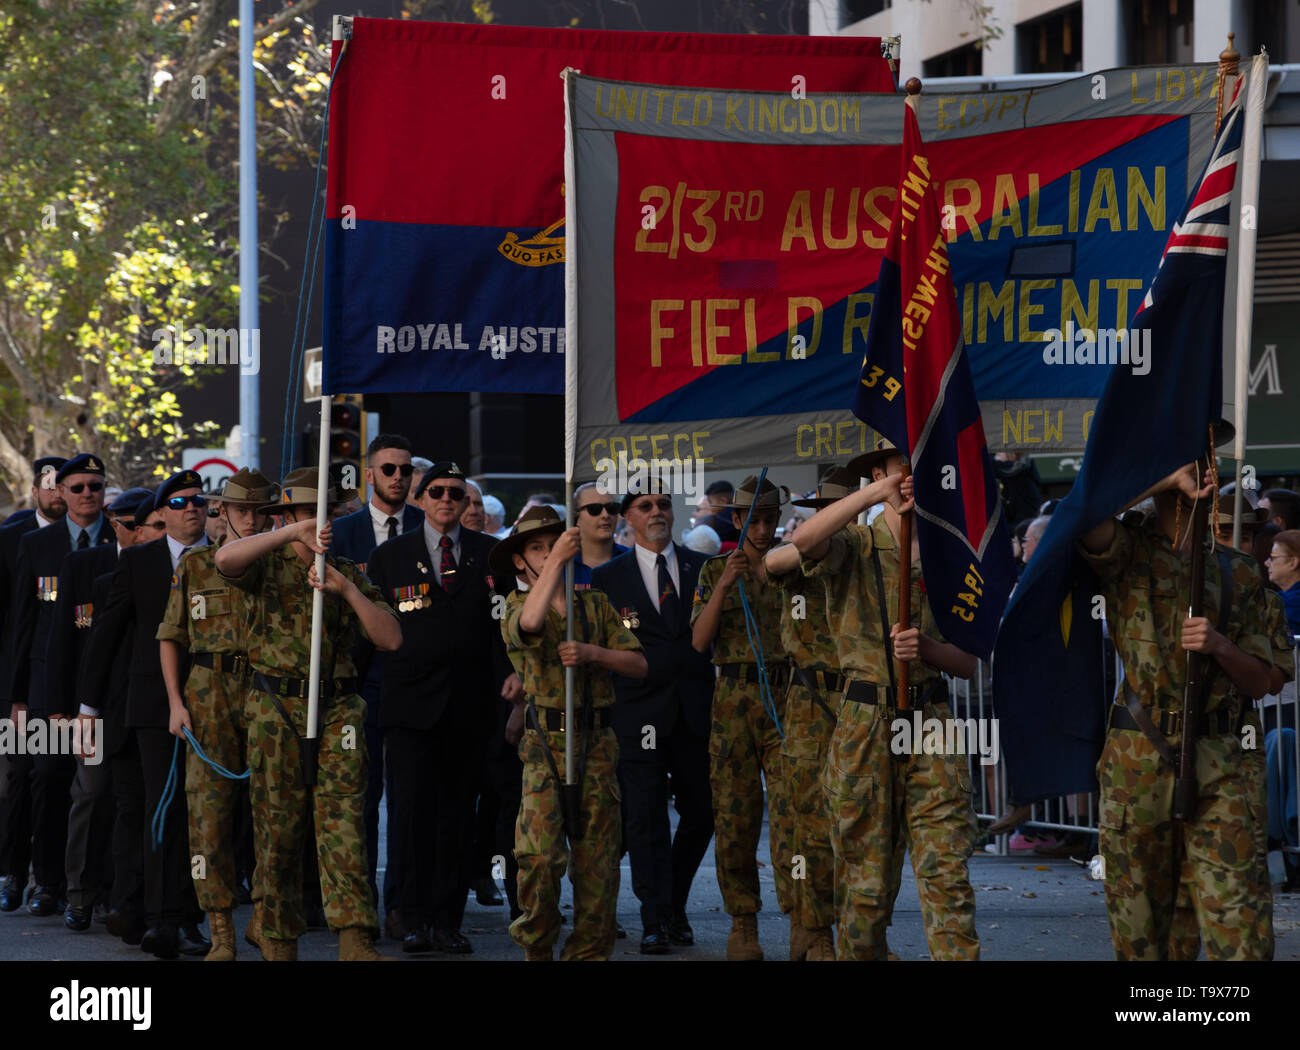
(346, 448)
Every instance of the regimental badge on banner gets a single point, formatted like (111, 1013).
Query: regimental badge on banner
(47, 588)
(630, 618)
(82, 614)
(411, 598)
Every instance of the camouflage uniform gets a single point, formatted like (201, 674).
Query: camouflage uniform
(1146, 589)
(279, 645)
(540, 846)
(808, 727)
(877, 801)
(206, 615)
(743, 741)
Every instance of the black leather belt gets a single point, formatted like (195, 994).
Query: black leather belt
(777, 674)
(225, 663)
(860, 692)
(554, 719)
(1170, 723)
(299, 687)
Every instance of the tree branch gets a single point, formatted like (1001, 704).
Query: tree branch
(30, 387)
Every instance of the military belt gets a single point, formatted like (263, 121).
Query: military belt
(1170, 723)
(778, 675)
(223, 663)
(299, 687)
(554, 718)
(860, 692)
(829, 681)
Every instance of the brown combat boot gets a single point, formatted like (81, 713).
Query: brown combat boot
(357, 945)
(742, 941)
(253, 932)
(274, 950)
(821, 945)
(539, 955)
(221, 925)
(800, 938)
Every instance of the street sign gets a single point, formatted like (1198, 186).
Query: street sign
(211, 464)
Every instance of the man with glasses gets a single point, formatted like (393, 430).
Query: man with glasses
(662, 721)
(596, 515)
(389, 473)
(136, 602)
(89, 821)
(36, 588)
(435, 716)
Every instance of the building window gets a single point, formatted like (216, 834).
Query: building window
(967, 61)
(856, 10)
(1275, 25)
(1159, 32)
(1051, 44)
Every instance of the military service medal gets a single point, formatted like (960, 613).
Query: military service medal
(47, 588)
(630, 618)
(411, 598)
(82, 614)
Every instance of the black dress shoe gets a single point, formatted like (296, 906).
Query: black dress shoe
(485, 892)
(654, 941)
(680, 932)
(452, 942)
(192, 942)
(621, 933)
(43, 902)
(417, 941)
(11, 893)
(129, 928)
(162, 941)
(77, 919)
(99, 913)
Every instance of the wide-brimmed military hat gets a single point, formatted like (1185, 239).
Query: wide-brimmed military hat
(880, 452)
(247, 486)
(299, 490)
(535, 521)
(86, 463)
(182, 479)
(835, 484)
(769, 497)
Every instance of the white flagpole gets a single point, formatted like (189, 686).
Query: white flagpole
(570, 398)
(318, 597)
(1252, 136)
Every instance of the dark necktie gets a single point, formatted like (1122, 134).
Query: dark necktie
(83, 541)
(669, 606)
(447, 569)
(392, 527)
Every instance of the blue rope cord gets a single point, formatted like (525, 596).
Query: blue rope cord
(217, 766)
(169, 788)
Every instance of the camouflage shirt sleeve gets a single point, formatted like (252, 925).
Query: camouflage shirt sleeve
(250, 580)
(1114, 561)
(610, 628)
(709, 576)
(1280, 635)
(175, 621)
(515, 638)
(368, 591)
(1256, 637)
(845, 545)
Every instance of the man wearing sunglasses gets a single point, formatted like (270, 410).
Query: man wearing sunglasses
(135, 606)
(435, 713)
(88, 823)
(662, 721)
(389, 473)
(596, 515)
(36, 588)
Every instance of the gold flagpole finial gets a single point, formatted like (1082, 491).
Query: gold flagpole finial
(1229, 66)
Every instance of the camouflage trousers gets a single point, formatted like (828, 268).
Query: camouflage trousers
(880, 804)
(808, 730)
(544, 854)
(216, 706)
(1184, 933)
(745, 751)
(1219, 851)
(282, 807)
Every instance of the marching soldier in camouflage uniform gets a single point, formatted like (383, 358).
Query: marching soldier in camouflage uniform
(1145, 575)
(877, 796)
(745, 740)
(537, 551)
(811, 705)
(206, 616)
(276, 571)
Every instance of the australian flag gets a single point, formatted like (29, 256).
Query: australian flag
(916, 390)
(1047, 672)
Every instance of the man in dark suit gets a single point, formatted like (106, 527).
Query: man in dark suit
(435, 713)
(662, 721)
(16, 770)
(88, 824)
(387, 516)
(36, 587)
(136, 603)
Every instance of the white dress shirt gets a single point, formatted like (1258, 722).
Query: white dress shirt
(379, 522)
(433, 540)
(176, 548)
(42, 520)
(646, 561)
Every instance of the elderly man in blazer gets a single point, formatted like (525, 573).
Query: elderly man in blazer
(662, 721)
(434, 708)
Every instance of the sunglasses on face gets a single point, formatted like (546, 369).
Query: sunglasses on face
(597, 509)
(94, 486)
(178, 502)
(644, 506)
(390, 469)
(153, 525)
(453, 493)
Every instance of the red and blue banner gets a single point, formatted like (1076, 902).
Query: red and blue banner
(444, 233)
(915, 388)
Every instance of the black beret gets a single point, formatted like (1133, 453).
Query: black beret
(86, 463)
(143, 510)
(182, 479)
(129, 500)
(50, 463)
(637, 488)
(442, 469)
